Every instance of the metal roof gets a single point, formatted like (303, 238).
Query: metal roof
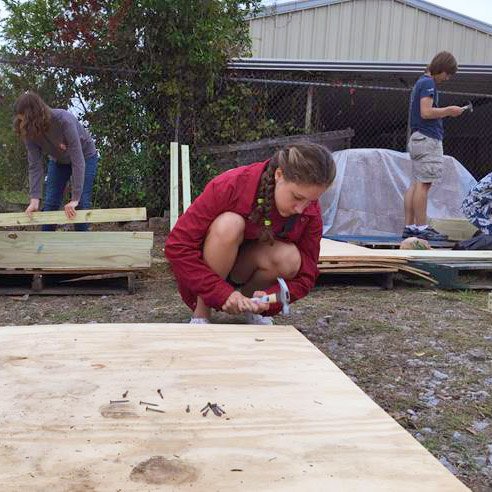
(285, 8)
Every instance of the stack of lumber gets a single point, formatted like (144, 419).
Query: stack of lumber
(344, 258)
(74, 251)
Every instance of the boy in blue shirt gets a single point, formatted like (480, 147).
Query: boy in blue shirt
(425, 144)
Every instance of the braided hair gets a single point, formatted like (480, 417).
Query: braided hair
(308, 164)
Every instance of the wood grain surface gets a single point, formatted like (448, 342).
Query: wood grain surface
(293, 420)
(83, 216)
(75, 250)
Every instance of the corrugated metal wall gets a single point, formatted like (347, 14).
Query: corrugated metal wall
(369, 30)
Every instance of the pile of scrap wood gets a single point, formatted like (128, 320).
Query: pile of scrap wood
(344, 258)
(76, 253)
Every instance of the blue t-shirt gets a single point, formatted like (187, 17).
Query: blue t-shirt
(425, 87)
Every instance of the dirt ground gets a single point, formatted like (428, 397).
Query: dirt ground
(423, 354)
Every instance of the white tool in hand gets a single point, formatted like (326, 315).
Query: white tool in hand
(468, 107)
(283, 296)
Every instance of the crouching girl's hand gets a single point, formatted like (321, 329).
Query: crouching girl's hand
(237, 303)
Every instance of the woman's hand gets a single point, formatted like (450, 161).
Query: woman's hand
(33, 207)
(237, 303)
(261, 306)
(70, 211)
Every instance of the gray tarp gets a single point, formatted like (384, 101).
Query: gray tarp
(367, 195)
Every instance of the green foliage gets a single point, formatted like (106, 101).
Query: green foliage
(157, 67)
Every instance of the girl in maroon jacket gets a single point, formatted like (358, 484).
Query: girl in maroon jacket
(251, 225)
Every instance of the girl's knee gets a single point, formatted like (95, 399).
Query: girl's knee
(287, 261)
(229, 227)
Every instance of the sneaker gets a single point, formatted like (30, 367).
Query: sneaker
(258, 319)
(431, 234)
(409, 231)
(199, 321)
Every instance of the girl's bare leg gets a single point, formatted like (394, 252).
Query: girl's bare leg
(220, 249)
(258, 265)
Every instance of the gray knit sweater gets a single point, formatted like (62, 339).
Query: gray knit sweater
(66, 142)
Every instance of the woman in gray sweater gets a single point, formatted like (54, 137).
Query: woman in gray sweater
(71, 153)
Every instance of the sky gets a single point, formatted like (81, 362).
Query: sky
(476, 9)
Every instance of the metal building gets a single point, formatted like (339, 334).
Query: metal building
(369, 30)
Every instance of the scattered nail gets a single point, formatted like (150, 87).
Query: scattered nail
(259, 339)
(217, 410)
(318, 402)
(118, 401)
(236, 469)
(147, 403)
(160, 393)
(150, 409)
(124, 395)
(188, 409)
(204, 414)
(208, 405)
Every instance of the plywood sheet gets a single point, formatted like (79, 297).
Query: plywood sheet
(335, 250)
(330, 249)
(441, 255)
(75, 250)
(294, 421)
(457, 229)
(83, 216)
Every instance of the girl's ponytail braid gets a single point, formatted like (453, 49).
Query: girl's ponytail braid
(264, 201)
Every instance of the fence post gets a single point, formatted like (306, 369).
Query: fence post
(309, 108)
(174, 185)
(185, 175)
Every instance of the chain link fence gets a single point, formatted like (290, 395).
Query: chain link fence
(245, 119)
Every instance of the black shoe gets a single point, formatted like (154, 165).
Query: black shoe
(409, 232)
(431, 234)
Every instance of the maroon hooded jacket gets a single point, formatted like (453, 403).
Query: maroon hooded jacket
(235, 191)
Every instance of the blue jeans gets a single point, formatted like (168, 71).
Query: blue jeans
(56, 181)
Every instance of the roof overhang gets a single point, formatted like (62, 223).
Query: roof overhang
(469, 78)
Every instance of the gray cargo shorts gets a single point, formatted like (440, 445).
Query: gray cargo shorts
(427, 157)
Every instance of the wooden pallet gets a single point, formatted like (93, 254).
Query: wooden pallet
(459, 275)
(37, 282)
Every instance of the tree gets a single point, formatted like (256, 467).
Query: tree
(143, 71)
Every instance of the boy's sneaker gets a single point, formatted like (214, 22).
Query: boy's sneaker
(431, 234)
(258, 319)
(409, 231)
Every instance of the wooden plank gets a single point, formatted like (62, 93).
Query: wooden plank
(294, 421)
(337, 249)
(103, 276)
(75, 250)
(457, 229)
(174, 185)
(83, 216)
(54, 271)
(332, 250)
(358, 270)
(66, 291)
(322, 138)
(441, 255)
(185, 176)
